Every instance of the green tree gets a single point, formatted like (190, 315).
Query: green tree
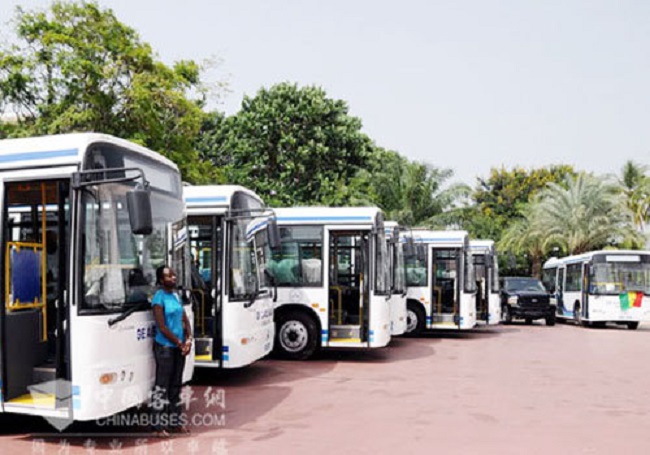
(588, 214)
(292, 145)
(505, 192)
(585, 214)
(635, 187)
(76, 67)
(409, 192)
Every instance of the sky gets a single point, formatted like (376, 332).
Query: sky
(467, 85)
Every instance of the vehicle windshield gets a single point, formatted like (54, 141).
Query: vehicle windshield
(118, 267)
(382, 270)
(244, 267)
(524, 284)
(416, 266)
(495, 272)
(617, 277)
(299, 259)
(399, 271)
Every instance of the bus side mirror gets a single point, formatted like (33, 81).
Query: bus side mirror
(274, 234)
(138, 201)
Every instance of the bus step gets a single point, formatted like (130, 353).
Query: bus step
(203, 346)
(345, 331)
(43, 374)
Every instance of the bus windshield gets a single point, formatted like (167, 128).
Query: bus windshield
(416, 267)
(399, 272)
(118, 266)
(617, 277)
(382, 264)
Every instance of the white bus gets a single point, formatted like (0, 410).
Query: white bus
(86, 220)
(601, 286)
(441, 282)
(397, 301)
(486, 268)
(333, 280)
(230, 247)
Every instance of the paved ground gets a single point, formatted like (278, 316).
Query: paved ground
(507, 390)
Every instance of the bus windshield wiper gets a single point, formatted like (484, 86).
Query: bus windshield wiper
(128, 312)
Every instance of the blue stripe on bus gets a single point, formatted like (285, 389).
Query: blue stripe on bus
(325, 218)
(76, 390)
(225, 349)
(225, 358)
(76, 403)
(27, 156)
(206, 199)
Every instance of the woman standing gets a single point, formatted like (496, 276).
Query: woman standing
(172, 343)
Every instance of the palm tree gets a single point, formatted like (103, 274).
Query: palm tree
(635, 186)
(411, 192)
(585, 215)
(588, 214)
(524, 237)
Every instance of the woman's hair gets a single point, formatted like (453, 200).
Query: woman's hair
(159, 274)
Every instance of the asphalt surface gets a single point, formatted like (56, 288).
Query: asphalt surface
(504, 390)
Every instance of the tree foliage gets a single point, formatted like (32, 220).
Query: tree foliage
(585, 214)
(291, 145)
(635, 187)
(76, 67)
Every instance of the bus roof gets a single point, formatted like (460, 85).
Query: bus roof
(481, 246)
(62, 149)
(438, 237)
(554, 262)
(389, 228)
(327, 215)
(218, 198)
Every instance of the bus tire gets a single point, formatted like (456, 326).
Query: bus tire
(296, 336)
(528, 321)
(415, 319)
(550, 321)
(633, 325)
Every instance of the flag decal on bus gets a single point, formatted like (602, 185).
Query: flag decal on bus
(630, 299)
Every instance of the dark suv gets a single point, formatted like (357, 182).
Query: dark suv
(525, 298)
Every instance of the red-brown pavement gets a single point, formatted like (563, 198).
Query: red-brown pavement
(504, 390)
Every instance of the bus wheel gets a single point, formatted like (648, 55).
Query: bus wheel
(550, 321)
(633, 325)
(529, 321)
(296, 336)
(414, 320)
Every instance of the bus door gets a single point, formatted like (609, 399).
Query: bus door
(482, 270)
(34, 342)
(349, 286)
(561, 272)
(206, 238)
(445, 295)
(585, 289)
